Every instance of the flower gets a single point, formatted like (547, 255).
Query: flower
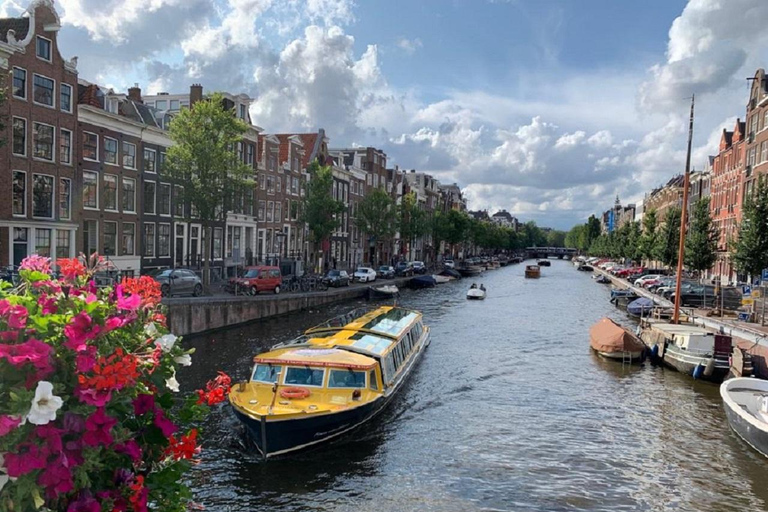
(151, 330)
(80, 329)
(142, 404)
(57, 478)
(27, 458)
(35, 262)
(8, 423)
(183, 448)
(129, 303)
(172, 383)
(97, 428)
(166, 426)
(17, 317)
(183, 360)
(84, 503)
(47, 305)
(215, 390)
(44, 405)
(146, 288)
(31, 351)
(71, 268)
(166, 342)
(130, 448)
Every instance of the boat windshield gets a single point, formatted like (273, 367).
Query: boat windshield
(346, 379)
(371, 343)
(266, 373)
(304, 376)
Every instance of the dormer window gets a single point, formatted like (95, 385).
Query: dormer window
(243, 115)
(44, 48)
(111, 105)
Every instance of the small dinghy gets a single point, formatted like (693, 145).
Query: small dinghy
(613, 341)
(422, 282)
(602, 279)
(640, 307)
(585, 268)
(544, 263)
(746, 406)
(442, 279)
(476, 293)
(449, 272)
(383, 292)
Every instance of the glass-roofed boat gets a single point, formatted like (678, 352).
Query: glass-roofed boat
(333, 378)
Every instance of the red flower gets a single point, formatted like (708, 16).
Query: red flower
(71, 268)
(185, 447)
(108, 374)
(145, 287)
(139, 495)
(216, 390)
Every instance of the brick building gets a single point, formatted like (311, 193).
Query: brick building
(663, 198)
(41, 211)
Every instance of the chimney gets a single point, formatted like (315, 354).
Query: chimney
(195, 94)
(134, 93)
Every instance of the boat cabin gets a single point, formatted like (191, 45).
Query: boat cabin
(687, 336)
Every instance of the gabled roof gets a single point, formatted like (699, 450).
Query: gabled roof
(18, 25)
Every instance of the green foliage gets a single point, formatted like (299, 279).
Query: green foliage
(412, 220)
(750, 250)
(668, 242)
(532, 236)
(648, 239)
(321, 211)
(701, 239)
(556, 238)
(377, 215)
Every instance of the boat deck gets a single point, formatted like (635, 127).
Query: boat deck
(750, 400)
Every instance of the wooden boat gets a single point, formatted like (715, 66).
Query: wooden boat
(334, 378)
(745, 402)
(476, 294)
(388, 291)
(614, 341)
(532, 271)
(419, 282)
(545, 263)
(688, 348)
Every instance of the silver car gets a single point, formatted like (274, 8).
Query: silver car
(179, 281)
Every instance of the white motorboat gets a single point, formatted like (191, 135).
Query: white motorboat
(442, 279)
(388, 291)
(476, 294)
(746, 406)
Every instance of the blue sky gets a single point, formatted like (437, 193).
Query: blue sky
(548, 109)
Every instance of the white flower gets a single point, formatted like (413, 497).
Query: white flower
(44, 405)
(183, 360)
(150, 330)
(172, 383)
(166, 342)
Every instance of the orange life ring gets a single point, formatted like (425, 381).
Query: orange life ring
(294, 393)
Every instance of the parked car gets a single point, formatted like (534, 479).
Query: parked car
(259, 279)
(629, 271)
(449, 264)
(364, 275)
(703, 296)
(385, 272)
(650, 277)
(662, 282)
(178, 281)
(337, 278)
(418, 267)
(403, 269)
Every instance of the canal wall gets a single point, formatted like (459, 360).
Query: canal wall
(196, 315)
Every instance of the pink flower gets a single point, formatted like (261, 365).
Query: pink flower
(116, 322)
(8, 423)
(97, 397)
(57, 478)
(18, 317)
(97, 428)
(47, 305)
(86, 359)
(142, 404)
(4, 306)
(27, 458)
(84, 504)
(164, 424)
(130, 448)
(90, 297)
(80, 329)
(35, 262)
(31, 351)
(130, 303)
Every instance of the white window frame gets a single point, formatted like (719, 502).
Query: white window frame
(54, 197)
(134, 155)
(117, 193)
(97, 146)
(144, 199)
(97, 191)
(117, 152)
(26, 84)
(54, 146)
(71, 98)
(157, 240)
(50, 49)
(133, 247)
(26, 136)
(26, 194)
(143, 164)
(71, 141)
(170, 200)
(58, 202)
(53, 92)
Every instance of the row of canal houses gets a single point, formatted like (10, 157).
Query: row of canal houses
(82, 170)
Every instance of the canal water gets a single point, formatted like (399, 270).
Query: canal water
(508, 410)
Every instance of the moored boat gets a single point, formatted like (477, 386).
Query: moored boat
(419, 282)
(329, 381)
(603, 279)
(544, 263)
(440, 279)
(641, 307)
(449, 272)
(614, 341)
(585, 268)
(388, 291)
(532, 271)
(470, 270)
(745, 402)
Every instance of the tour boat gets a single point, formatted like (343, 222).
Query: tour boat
(746, 406)
(476, 294)
(532, 271)
(614, 341)
(388, 291)
(330, 380)
(689, 349)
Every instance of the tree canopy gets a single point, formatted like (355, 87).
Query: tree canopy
(750, 250)
(321, 211)
(701, 239)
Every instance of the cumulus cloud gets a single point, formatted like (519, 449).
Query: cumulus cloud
(409, 46)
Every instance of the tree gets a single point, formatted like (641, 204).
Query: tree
(633, 242)
(203, 158)
(377, 217)
(574, 237)
(556, 238)
(701, 240)
(647, 242)
(412, 221)
(668, 241)
(321, 212)
(533, 236)
(593, 230)
(750, 251)
(450, 227)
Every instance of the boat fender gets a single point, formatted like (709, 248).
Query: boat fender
(655, 351)
(294, 393)
(710, 368)
(698, 371)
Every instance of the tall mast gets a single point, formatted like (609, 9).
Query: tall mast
(681, 250)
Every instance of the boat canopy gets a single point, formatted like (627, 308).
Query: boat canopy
(386, 321)
(329, 357)
(608, 336)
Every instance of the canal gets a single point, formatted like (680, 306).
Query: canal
(508, 410)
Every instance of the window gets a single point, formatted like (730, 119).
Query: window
(294, 210)
(270, 185)
(110, 192)
(161, 162)
(242, 112)
(304, 376)
(65, 146)
(764, 151)
(240, 152)
(218, 234)
(262, 207)
(249, 155)
(149, 240)
(279, 184)
(110, 151)
(90, 146)
(163, 240)
(65, 198)
(129, 195)
(90, 190)
(129, 155)
(266, 373)
(110, 238)
(164, 203)
(161, 105)
(65, 97)
(44, 48)
(43, 242)
(346, 379)
(270, 210)
(175, 105)
(295, 186)
(372, 383)
(20, 83)
(42, 139)
(278, 212)
(149, 197)
(19, 136)
(42, 90)
(42, 196)
(90, 237)
(129, 233)
(262, 186)
(178, 200)
(19, 193)
(63, 243)
(150, 164)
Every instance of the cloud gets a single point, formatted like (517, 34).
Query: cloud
(409, 46)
